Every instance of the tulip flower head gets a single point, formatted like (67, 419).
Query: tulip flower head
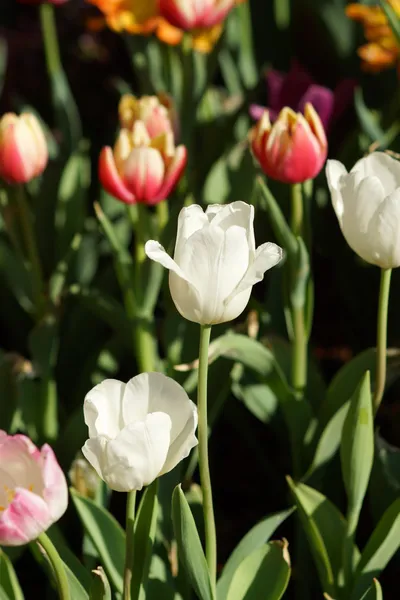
(33, 490)
(215, 263)
(382, 50)
(157, 113)
(139, 430)
(367, 204)
(293, 149)
(195, 14)
(23, 148)
(145, 164)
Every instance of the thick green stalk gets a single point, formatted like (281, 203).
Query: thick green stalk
(129, 548)
(25, 218)
(205, 479)
(299, 351)
(50, 39)
(58, 566)
(381, 338)
(297, 212)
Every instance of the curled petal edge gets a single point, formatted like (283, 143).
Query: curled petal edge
(110, 178)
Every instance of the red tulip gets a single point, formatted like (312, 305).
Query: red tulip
(195, 14)
(23, 148)
(294, 148)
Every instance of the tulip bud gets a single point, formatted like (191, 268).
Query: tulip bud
(195, 14)
(216, 262)
(23, 148)
(367, 204)
(293, 149)
(141, 168)
(156, 113)
(139, 430)
(33, 490)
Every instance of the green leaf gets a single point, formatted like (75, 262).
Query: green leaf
(392, 18)
(374, 592)
(368, 119)
(329, 442)
(9, 585)
(100, 589)
(357, 448)
(253, 540)
(144, 535)
(71, 561)
(326, 530)
(381, 546)
(77, 590)
(265, 573)
(66, 111)
(107, 536)
(189, 546)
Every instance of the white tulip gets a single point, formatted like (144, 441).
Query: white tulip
(367, 205)
(138, 430)
(215, 262)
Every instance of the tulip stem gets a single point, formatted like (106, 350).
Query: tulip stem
(205, 479)
(297, 216)
(25, 217)
(381, 338)
(299, 360)
(49, 31)
(129, 544)
(58, 566)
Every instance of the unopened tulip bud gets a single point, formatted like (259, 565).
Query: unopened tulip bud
(33, 490)
(293, 148)
(367, 204)
(195, 14)
(23, 148)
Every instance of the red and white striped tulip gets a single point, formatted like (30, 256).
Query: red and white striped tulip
(23, 148)
(292, 149)
(195, 14)
(141, 169)
(33, 490)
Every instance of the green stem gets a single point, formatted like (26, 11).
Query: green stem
(129, 545)
(381, 338)
(297, 213)
(25, 218)
(299, 351)
(205, 479)
(50, 39)
(162, 211)
(58, 566)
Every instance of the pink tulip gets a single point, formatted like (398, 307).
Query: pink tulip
(140, 168)
(293, 149)
(195, 14)
(156, 112)
(23, 148)
(33, 490)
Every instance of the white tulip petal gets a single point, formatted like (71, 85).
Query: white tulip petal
(334, 174)
(267, 256)
(383, 166)
(215, 262)
(184, 442)
(135, 403)
(190, 220)
(384, 229)
(167, 396)
(237, 213)
(102, 408)
(136, 457)
(93, 451)
(156, 252)
(361, 204)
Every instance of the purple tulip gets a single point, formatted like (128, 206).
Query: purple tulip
(296, 88)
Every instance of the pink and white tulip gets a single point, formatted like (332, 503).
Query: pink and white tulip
(33, 489)
(157, 113)
(195, 14)
(23, 148)
(292, 149)
(141, 169)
